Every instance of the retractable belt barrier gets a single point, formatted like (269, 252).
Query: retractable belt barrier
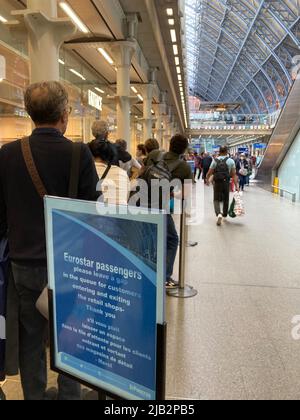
(184, 291)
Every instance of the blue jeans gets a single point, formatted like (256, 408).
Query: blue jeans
(243, 182)
(172, 245)
(29, 282)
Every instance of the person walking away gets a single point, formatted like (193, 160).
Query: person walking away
(223, 169)
(115, 184)
(206, 164)
(198, 166)
(22, 217)
(243, 170)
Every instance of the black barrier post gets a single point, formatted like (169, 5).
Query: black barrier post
(184, 291)
(161, 364)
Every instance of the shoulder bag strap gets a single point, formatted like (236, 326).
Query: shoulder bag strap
(31, 168)
(105, 173)
(75, 169)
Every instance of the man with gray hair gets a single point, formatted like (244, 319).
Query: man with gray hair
(22, 219)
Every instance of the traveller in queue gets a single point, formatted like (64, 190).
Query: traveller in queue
(141, 154)
(126, 161)
(22, 218)
(115, 184)
(181, 171)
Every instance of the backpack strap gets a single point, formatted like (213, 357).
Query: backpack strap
(31, 168)
(172, 166)
(75, 168)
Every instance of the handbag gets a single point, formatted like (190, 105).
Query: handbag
(42, 303)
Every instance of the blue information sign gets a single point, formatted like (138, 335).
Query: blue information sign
(107, 276)
(260, 145)
(243, 150)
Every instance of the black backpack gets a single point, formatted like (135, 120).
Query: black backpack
(158, 171)
(222, 171)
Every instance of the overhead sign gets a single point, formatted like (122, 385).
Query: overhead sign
(260, 145)
(2, 68)
(95, 100)
(243, 150)
(106, 276)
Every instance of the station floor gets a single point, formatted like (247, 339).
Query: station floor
(234, 340)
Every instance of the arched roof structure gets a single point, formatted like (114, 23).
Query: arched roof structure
(243, 51)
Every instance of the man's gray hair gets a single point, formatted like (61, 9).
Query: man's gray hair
(100, 129)
(46, 102)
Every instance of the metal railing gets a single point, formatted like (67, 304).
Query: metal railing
(282, 191)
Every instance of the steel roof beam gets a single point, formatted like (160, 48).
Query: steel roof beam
(243, 44)
(287, 30)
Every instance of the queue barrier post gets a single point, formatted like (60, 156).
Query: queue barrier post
(183, 291)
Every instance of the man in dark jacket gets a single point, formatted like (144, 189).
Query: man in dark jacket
(22, 216)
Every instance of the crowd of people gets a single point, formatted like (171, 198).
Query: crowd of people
(43, 164)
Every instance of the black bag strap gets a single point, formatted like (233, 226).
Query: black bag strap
(105, 173)
(31, 168)
(75, 168)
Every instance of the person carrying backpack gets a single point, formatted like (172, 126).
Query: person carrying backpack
(223, 168)
(170, 167)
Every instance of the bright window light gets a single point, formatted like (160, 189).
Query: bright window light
(61, 62)
(2, 19)
(134, 90)
(171, 22)
(72, 15)
(170, 12)
(106, 56)
(99, 90)
(77, 74)
(173, 35)
(177, 61)
(175, 49)
(140, 98)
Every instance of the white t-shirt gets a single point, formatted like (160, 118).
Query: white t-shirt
(115, 186)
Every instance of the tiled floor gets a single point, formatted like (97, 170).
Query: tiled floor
(233, 341)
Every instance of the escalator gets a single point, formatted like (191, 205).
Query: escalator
(284, 133)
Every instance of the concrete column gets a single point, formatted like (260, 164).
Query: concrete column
(160, 123)
(148, 91)
(122, 52)
(46, 34)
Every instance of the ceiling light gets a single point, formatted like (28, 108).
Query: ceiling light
(175, 49)
(72, 15)
(171, 22)
(106, 56)
(77, 74)
(61, 62)
(178, 69)
(134, 90)
(170, 12)
(179, 77)
(99, 90)
(177, 61)
(140, 97)
(173, 35)
(3, 20)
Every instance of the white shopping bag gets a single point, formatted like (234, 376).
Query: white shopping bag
(239, 208)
